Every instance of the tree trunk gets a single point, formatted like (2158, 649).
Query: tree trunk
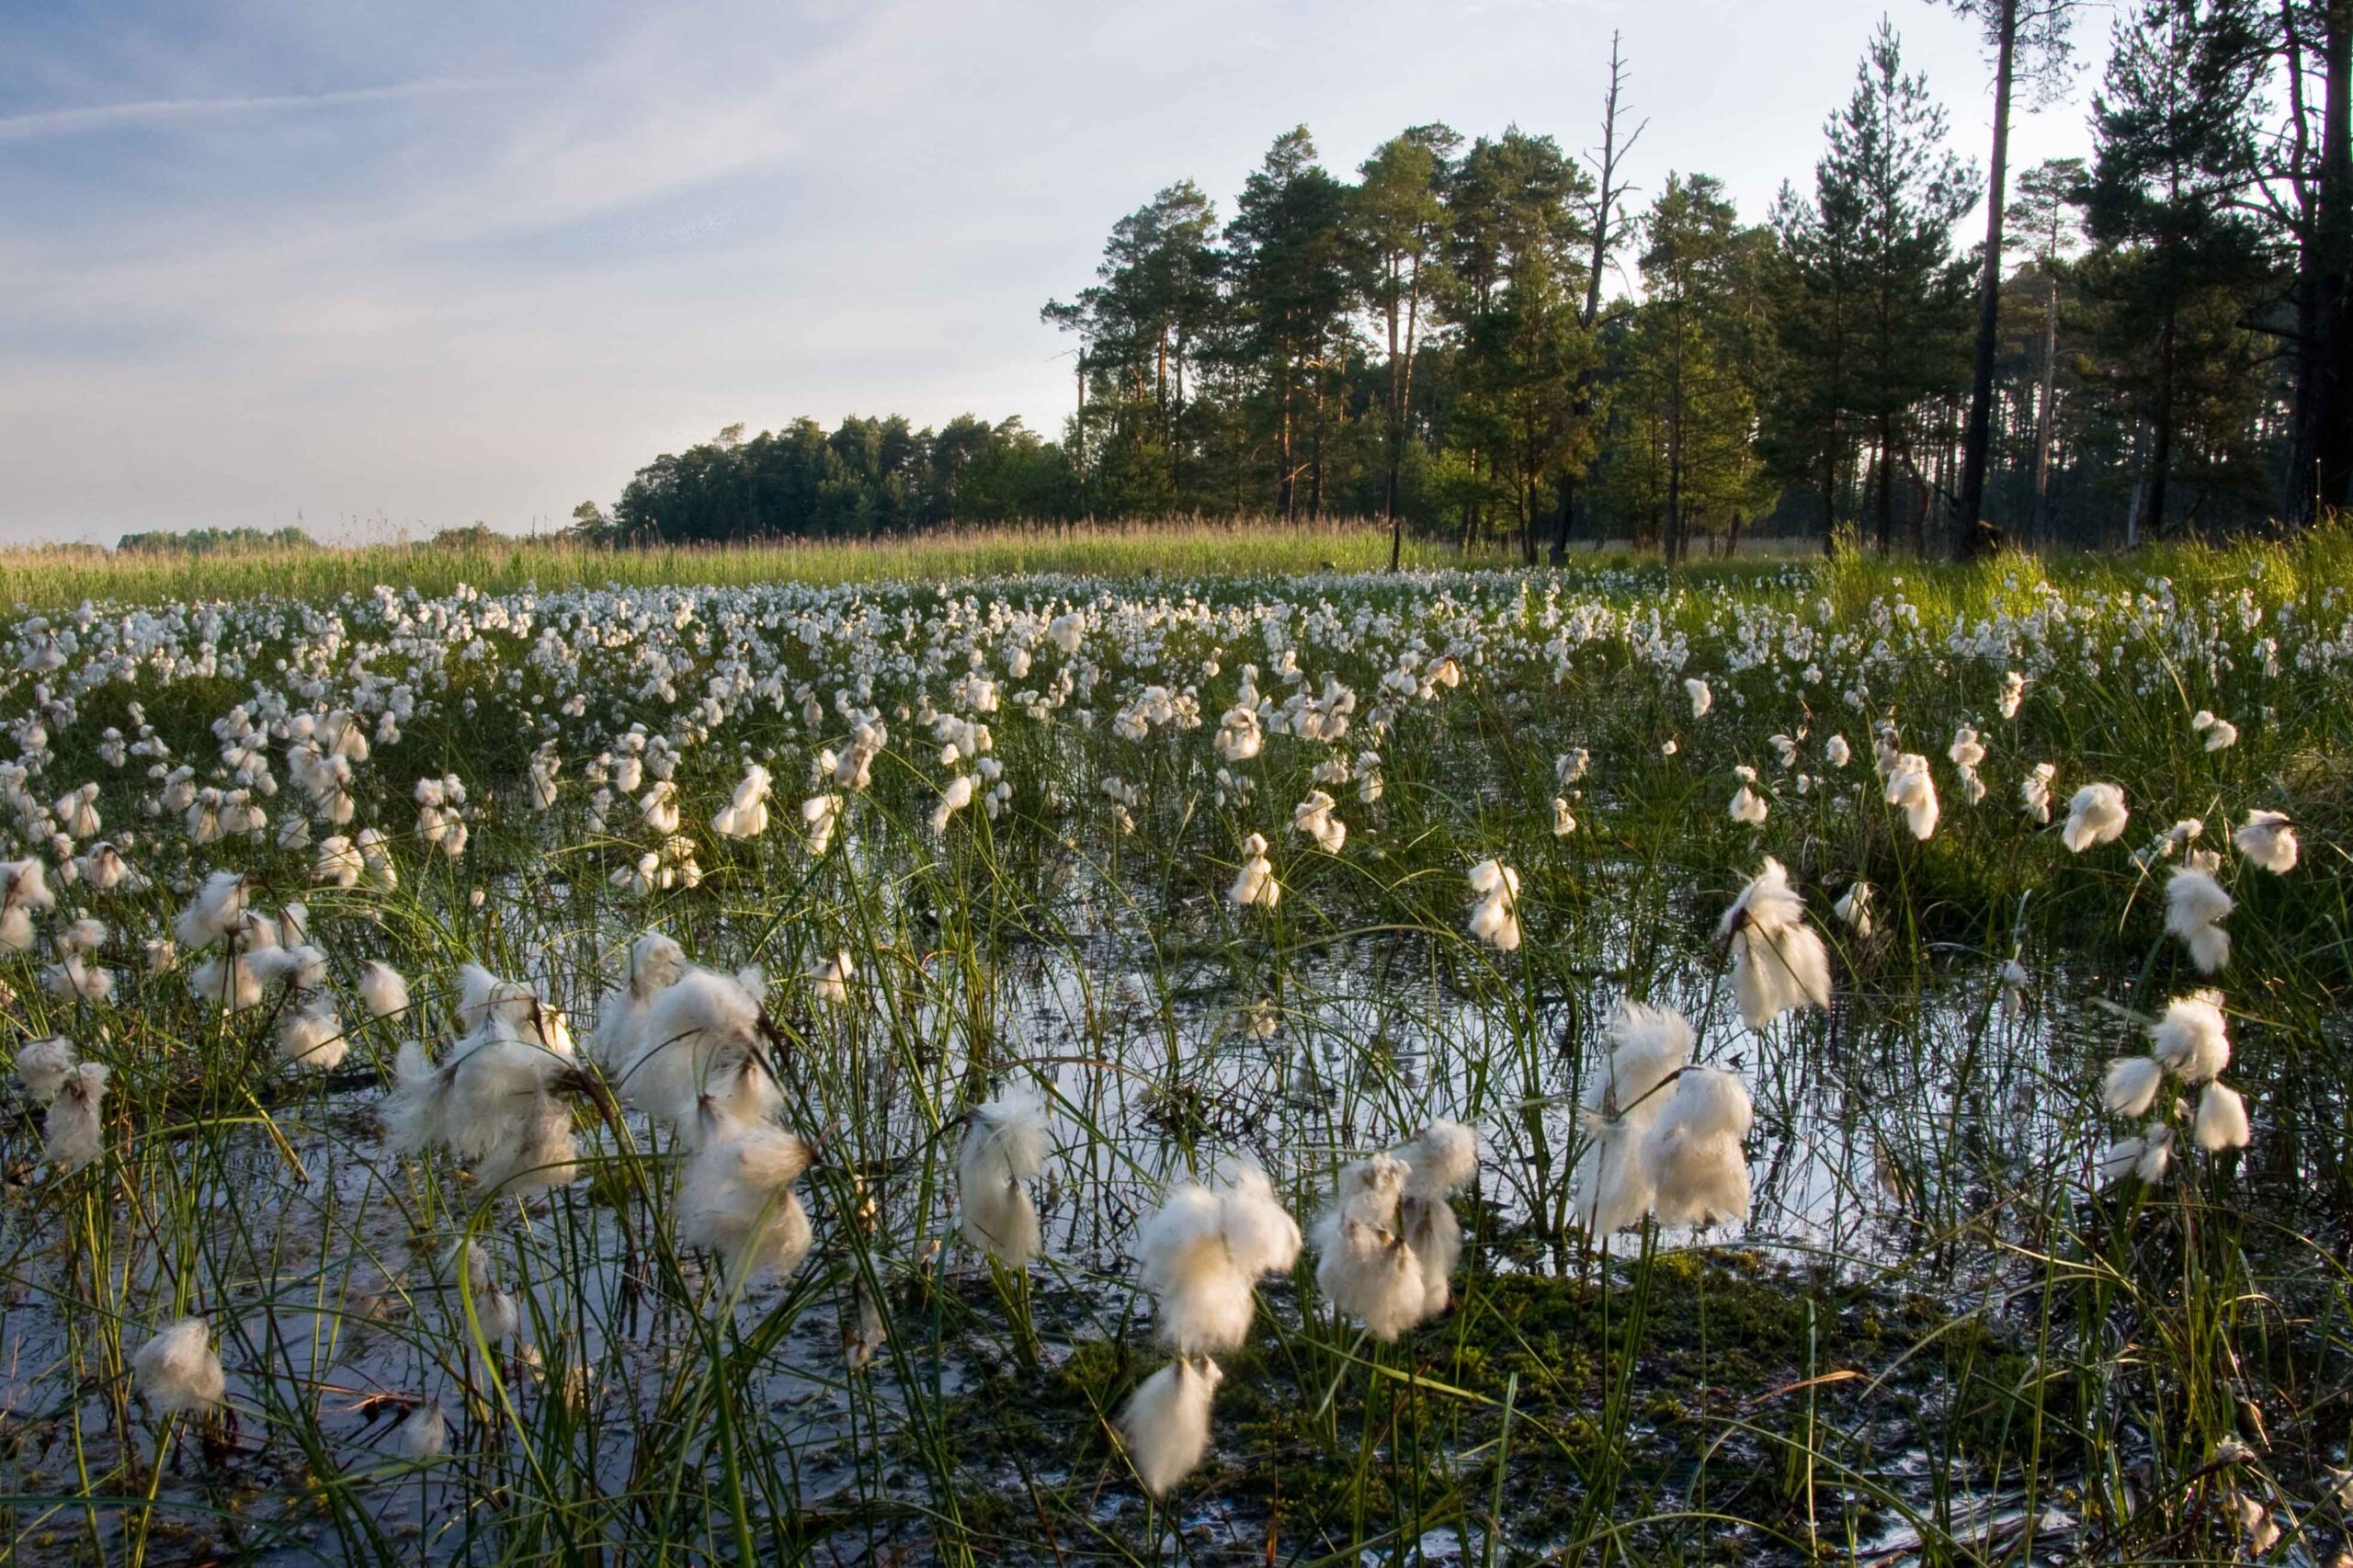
(1285, 494)
(1471, 506)
(1396, 429)
(1886, 486)
(1405, 406)
(1079, 441)
(2161, 441)
(1315, 459)
(1972, 536)
(2045, 420)
(1674, 477)
(1830, 498)
(2320, 449)
(1612, 154)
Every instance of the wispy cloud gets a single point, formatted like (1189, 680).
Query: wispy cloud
(82, 119)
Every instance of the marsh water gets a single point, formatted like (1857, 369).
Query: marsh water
(1892, 1132)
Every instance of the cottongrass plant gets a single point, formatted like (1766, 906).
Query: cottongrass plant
(1648, 1047)
(1778, 962)
(692, 1335)
(1386, 1245)
(1004, 1149)
(1200, 1257)
(177, 1372)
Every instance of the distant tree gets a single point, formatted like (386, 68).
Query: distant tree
(1400, 212)
(2045, 213)
(1608, 224)
(214, 542)
(1143, 326)
(865, 476)
(2030, 44)
(1807, 426)
(1290, 243)
(2301, 181)
(1878, 302)
(1688, 357)
(2176, 248)
(1515, 283)
(589, 524)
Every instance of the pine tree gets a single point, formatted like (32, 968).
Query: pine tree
(2176, 252)
(1687, 358)
(1290, 243)
(1400, 212)
(1890, 193)
(1515, 283)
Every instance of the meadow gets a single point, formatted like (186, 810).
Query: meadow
(1043, 1049)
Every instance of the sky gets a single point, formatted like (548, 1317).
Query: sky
(383, 268)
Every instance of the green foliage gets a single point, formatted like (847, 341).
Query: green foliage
(214, 542)
(866, 477)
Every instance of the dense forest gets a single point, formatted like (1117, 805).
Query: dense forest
(1917, 347)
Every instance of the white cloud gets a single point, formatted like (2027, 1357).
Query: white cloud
(54, 123)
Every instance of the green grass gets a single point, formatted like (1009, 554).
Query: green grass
(1178, 547)
(49, 579)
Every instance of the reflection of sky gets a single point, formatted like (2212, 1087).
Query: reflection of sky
(441, 263)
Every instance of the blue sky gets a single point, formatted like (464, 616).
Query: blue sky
(380, 268)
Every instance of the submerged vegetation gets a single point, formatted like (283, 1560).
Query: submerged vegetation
(1761, 1062)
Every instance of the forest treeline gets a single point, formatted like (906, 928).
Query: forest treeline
(1492, 339)
(214, 542)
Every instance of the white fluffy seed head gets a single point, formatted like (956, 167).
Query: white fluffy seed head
(383, 989)
(2268, 839)
(737, 1200)
(1698, 1168)
(1910, 790)
(1005, 1145)
(2131, 1085)
(2192, 1039)
(312, 1036)
(218, 906)
(1201, 1253)
(2096, 815)
(701, 1037)
(177, 1370)
(1778, 962)
(2220, 1122)
(499, 1314)
(1442, 1160)
(1165, 1424)
(1364, 1265)
(2195, 906)
(1612, 1186)
(425, 1435)
(43, 1066)
(1646, 1044)
(74, 1130)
